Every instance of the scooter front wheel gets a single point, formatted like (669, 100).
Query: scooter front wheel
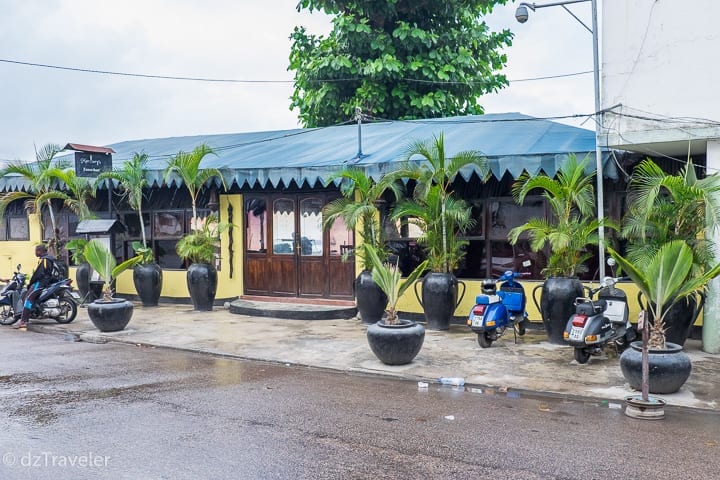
(7, 315)
(581, 356)
(484, 340)
(68, 310)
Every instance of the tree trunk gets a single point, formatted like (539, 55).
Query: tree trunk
(55, 240)
(142, 227)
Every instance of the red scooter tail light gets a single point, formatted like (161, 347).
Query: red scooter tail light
(579, 320)
(479, 310)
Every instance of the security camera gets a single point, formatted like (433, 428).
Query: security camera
(521, 14)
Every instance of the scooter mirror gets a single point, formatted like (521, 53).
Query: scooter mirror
(19, 266)
(610, 261)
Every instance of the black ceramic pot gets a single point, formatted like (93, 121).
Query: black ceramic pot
(148, 283)
(439, 298)
(680, 318)
(110, 316)
(557, 304)
(202, 284)
(669, 368)
(82, 279)
(396, 344)
(371, 301)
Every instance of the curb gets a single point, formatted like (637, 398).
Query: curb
(500, 390)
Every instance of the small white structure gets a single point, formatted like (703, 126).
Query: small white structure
(660, 78)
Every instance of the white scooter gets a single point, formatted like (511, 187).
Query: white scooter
(597, 323)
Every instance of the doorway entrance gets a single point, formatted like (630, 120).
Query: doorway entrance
(287, 251)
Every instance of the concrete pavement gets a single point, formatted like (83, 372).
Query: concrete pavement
(531, 365)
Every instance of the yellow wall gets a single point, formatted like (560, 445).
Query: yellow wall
(174, 282)
(22, 252)
(408, 303)
(231, 287)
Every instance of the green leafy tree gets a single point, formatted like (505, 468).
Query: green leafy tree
(434, 209)
(45, 177)
(665, 279)
(187, 167)
(398, 59)
(78, 191)
(664, 207)
(573, 228)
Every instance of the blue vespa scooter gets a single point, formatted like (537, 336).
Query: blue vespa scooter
(495, 311)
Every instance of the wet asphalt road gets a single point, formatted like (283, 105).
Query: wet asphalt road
(82, 411)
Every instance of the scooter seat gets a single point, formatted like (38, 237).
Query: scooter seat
(591, 308)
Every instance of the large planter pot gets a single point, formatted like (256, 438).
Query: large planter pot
(371, 301)
(680, 318)
(202, 284)
(439, 298)
(396, 344)
(82, 279)
(557, 304)
(110, 316)
(148, 283)
(669, 368)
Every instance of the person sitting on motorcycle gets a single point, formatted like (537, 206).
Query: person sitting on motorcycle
(41, 278)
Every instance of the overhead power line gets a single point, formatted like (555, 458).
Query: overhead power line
(260, 81)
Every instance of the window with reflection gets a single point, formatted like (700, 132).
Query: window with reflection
(18, 228)
(311, 229)
(505, 214)
(283, 226)
(166, 255)
(132, 224)
(505, 256)
(64, 220)
(168, 224)
(255, 225)
(341, 238)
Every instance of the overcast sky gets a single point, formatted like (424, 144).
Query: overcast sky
(239, 39)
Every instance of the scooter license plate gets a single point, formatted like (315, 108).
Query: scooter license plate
(477, 320)
(576, 333)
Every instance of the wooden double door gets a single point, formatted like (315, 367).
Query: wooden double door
(289, 253)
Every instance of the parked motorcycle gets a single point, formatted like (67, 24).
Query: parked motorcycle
(11, 297)
(57, 301)
(496, 311)
(598, 323)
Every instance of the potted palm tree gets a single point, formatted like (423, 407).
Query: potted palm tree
(441, 217)
(199, 246)
(664, 207)
(358, 208)
(147, 274)
(571, 231)
(665, 279)
(108, 314)
(394, 341)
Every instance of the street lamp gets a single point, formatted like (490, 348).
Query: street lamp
(522, 13)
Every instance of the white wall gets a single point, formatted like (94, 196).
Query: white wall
(661, 57)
